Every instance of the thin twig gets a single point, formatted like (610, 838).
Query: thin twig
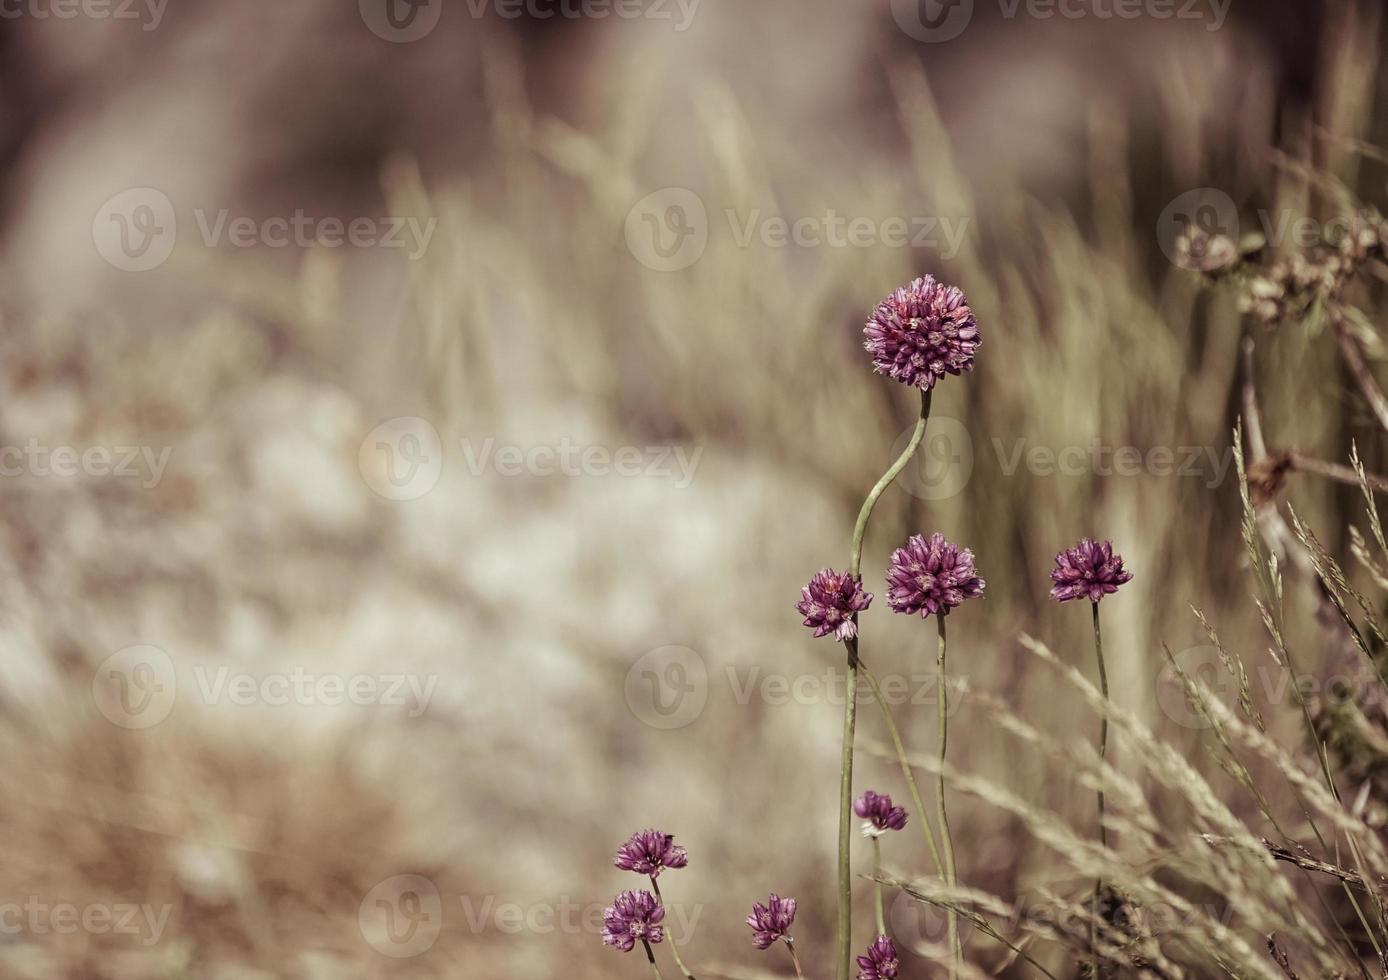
(1305, 861)
(1354, 360)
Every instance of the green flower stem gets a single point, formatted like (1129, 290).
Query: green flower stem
(673, 948)
(844, 930)
(844, 927)
(650, 955)
(952, 918)
(860, 529)
(1103, 750)
(877, 882)
(795, 959)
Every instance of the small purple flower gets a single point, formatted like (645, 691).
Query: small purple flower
(922, 332)
(632, 916)
(771, 921)
(880, 816)
(880, 963)
(1090, 570)
(931, 576)
(829, 602)
(650, 852)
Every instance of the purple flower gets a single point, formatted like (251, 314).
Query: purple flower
(632, 916)
(829, 602)
(880, 816)
(1089, 570)
(880, 963)
(931, 576)
(650, 852)
(922, 332)
(771, 921)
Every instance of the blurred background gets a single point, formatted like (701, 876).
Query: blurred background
(419, 417)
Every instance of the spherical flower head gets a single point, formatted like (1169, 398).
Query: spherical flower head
(632, 916)
(931, 576)
(649, 852)
(922, 332)
(829, 602)
(880, 963)
(1090, 570)
(878, 814)
(771, 921)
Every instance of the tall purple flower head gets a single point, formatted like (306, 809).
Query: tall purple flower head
(771, 921)
(650, 852)
(829, 602)
(632, 916)
(878, 814)
(931, 576)
(880, 963)
(1089, 570)
(922, 332)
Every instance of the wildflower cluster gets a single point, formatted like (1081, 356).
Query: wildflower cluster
(917, 335)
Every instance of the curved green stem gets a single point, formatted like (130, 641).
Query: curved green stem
(1103, 750)
(844, 926)
(942, 707)
(860, 528)
(795, 959)
(674, 949)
